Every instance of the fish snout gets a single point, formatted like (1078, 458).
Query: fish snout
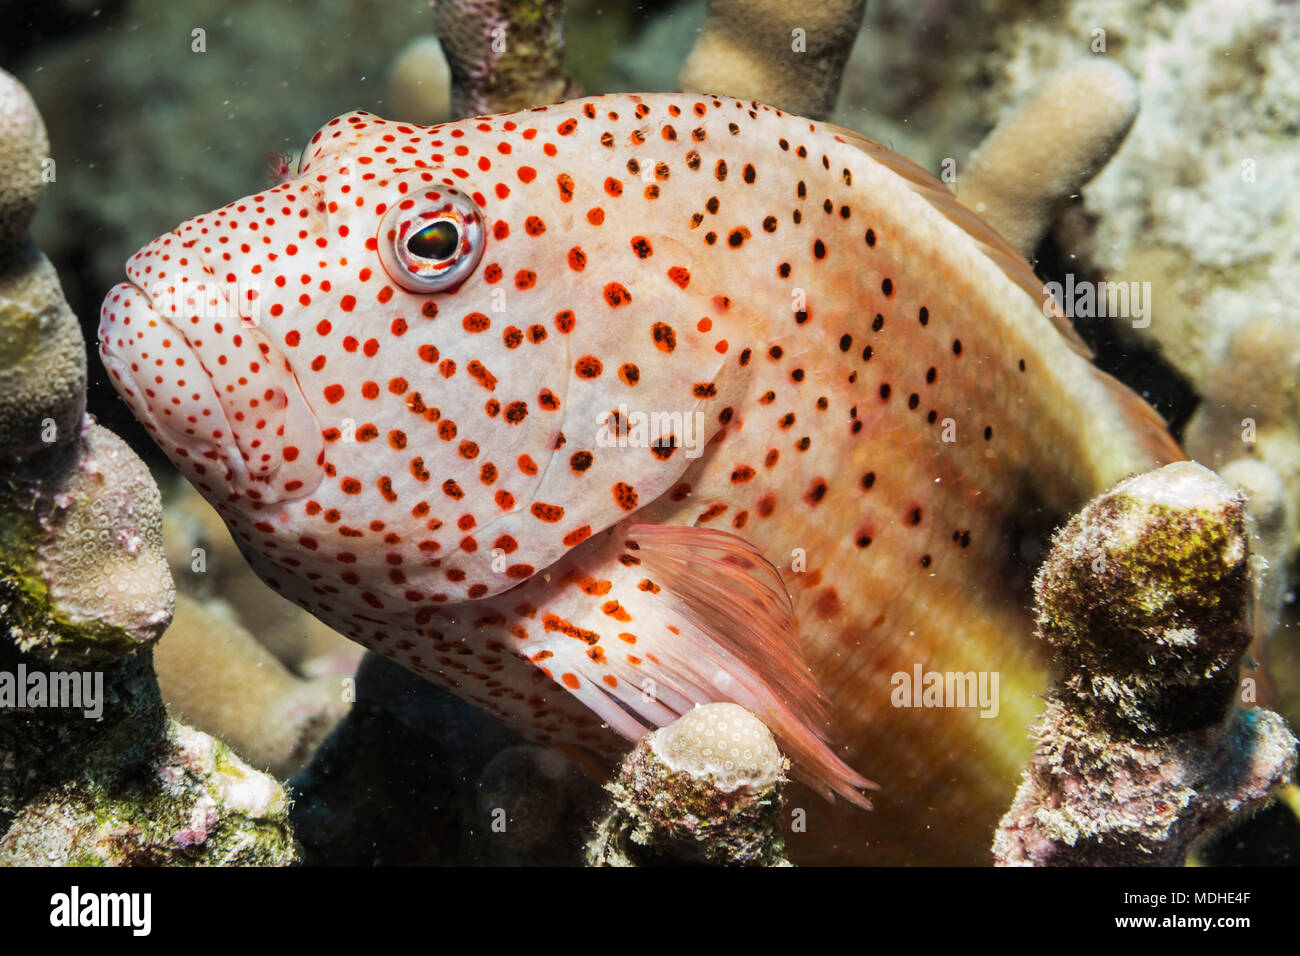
(186, 352)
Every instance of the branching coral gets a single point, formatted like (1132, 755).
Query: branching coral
(1146, 601)
(42, 356)
(91, 770)
(81, 568)
(705, 788)
(778, 53)
(1040, 155)
(419, 85)
(215, 676)
(1199, 208)
(199, 805)
(24, 150)
(1201, 205)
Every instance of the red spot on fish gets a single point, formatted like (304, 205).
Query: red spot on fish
(625, 496)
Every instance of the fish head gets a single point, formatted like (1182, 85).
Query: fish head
(447, 352)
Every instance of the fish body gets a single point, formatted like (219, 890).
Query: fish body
(720, 391)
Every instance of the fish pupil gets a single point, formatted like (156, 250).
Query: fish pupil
(436, 241)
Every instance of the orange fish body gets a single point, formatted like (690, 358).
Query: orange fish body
(555, 408)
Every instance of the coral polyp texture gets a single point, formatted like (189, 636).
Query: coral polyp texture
(721, 741)
(1146, 600)
(705, 788)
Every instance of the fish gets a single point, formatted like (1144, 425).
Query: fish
(598, 411)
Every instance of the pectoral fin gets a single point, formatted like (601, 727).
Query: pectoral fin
(675, 617)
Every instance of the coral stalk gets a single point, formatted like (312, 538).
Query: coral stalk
(1043, 153)
(91, 770)
(704, 789)
(1146, 600)
(504, 55)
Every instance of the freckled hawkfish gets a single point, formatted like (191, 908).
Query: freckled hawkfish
(602, 410)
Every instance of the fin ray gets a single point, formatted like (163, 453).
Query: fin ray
(738, 604)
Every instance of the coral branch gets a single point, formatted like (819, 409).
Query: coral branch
(91, 770)
(82, 575)
(419, 85)
(705, 788)
(504, 55)
(1146, 600)
(782, 54)
(1044, 152)
(215, 676)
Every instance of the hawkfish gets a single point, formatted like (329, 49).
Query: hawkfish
(599, 411)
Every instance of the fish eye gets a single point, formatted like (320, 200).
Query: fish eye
(432, 239)
(436, 242)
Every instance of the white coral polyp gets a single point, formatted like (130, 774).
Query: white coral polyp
(722, 740)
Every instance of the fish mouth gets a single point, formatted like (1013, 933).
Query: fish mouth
(186, 352)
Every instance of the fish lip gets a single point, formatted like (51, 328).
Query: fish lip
(214, 324)
(180, 282)
(163, 319)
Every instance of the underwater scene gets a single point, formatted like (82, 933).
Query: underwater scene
(518, 433)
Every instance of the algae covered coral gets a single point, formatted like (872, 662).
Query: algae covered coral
(847, 417)
(85, 593)
(1146, 600)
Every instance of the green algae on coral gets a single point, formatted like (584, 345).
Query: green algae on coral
(1147, 602)
(1134, 586)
